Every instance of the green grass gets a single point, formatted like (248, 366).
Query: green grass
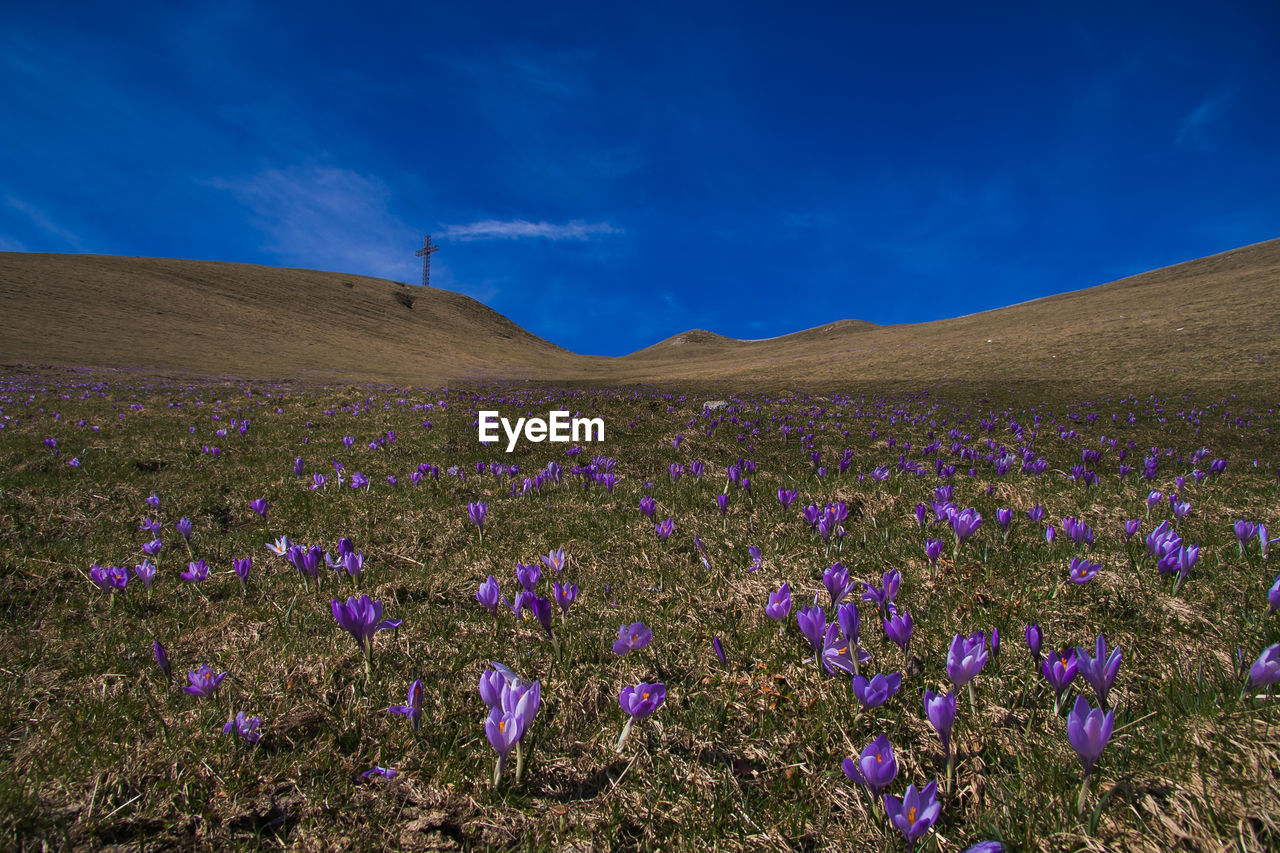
(100, 750)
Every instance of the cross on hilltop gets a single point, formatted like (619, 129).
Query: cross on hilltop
(427, 250)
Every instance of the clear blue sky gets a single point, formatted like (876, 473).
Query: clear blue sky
(609, 174)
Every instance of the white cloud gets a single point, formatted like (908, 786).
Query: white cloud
(1195, 122)
(494, 229)
(45, 223)
(323, 217)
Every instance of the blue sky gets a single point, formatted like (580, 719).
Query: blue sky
(607, 175)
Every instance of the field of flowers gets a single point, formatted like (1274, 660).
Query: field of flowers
(239, 614)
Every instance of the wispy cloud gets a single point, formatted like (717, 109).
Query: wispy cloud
(1197, 120)
(324, 217)
(43, 222)
(494, 229)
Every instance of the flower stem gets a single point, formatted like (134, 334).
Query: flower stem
(1084, 791)
(626, 730)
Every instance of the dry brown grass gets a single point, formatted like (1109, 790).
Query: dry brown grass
(1213, 322)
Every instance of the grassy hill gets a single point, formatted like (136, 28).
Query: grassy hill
(1213, 321)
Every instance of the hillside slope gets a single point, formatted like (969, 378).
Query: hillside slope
(237, 319)
(1213, 321)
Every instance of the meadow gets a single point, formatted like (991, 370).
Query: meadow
(1019, 531)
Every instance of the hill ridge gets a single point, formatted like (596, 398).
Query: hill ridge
(1214, 319)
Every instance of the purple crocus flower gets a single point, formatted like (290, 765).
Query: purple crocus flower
(503, 729)
(183, 526)
(280, 547)
(916, 812)
(1245, 530)
(554, 560)
(883, 596)
(1082, 571)
(966, 657)
(489, 595)
(476, 511)
(1003, 517)
(838, 652)
(154, 501)
(1273, 597)
(642, 700)
(719, 650)
(259, 505)
(836, 580)
(306, 560)
(1036, 512)
(413, 707)
(664, 529)
(145, 573)
(352, 563)
(1059, 669)
(933, 550)
(985, 847)
(242, 569)
(875, 768)
(631, 638)
(877, 690)
(564, 595)
(648, 507)
(965, 523)
(541, 608)
(528, 576)
(384, 772)
(1131, 527)
(246, 727)
(362, 618)
(941, 711)
(722, 501)
(1266, 669)
(813, 624)
(152, 548)
(109, 579)
(898, 628)
(849, 620)
(1100, 670)
(196, 572)
(1035, 639)
(1088, 730)
(787, 497)
(757, 560)
(639, 702)
(779, 604)
(492, 685)
(921, 510)
(162, 659)
(203, 682)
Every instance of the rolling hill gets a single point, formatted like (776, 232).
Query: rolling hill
(1209, 322)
